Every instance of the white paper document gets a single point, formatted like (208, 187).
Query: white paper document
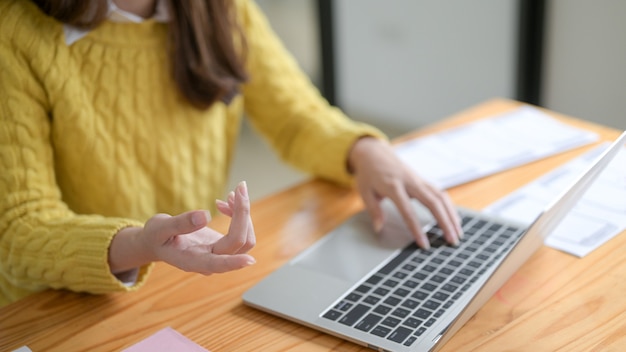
(481, 148)
(597, 217)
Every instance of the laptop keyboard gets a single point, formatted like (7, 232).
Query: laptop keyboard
(406, 296)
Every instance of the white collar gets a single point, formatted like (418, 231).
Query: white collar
(115, 14)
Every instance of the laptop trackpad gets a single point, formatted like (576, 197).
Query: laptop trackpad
(353, 249)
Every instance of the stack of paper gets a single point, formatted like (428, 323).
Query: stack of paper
(481, 148)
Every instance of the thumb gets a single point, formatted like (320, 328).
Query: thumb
(164, 226)
(372, 205)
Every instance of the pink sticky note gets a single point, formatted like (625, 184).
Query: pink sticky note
(166, 340)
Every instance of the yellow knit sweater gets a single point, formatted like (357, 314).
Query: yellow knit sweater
(95, 137)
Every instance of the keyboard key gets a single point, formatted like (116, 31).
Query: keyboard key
(446, 271)
(449, 287)
(495, 227)
(458, 280)
(332, 314)
(465, 219)
(409, 303)
(382, 309)
(462, 256)
(420, 331)
(417, 260)
(422, 313)
(429, 268)
(354, 315)
(391, 322)
(363, 289)
(420, 295)
(455, 263)
(410, 341)
(401, 312)
(381, 291)
(371, 300)
(368, 322)
(446, 252)
(466, 272)
(410, 284)
(343, 306)
(429, 322)
(390, 283)
(438, 279)
(353, 297)
(409, 267)
(432, 305)
(428, 287)
(474, 264)
(400, 334)
(436, 260)
(392, 301)
(413, 323)
(439, 313)
(440, 296)
(380, 331)
(399, 275)
(482, 257)
(401, 292)
(420, 276)
(374, 279)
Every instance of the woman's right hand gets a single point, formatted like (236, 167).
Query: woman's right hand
(186, 242)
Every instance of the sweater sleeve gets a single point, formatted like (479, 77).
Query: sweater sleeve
(43, 244)
(287, 109)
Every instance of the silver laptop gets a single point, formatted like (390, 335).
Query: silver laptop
(382, 291)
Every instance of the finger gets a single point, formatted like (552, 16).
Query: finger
(372, 205)
(223, 263)
(237, 234)
(164, 226)
(224, 207)
(231, 199)
(443, 210)
(403, 203)
(250, 238)
(453, 214)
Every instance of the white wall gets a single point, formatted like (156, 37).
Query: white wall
(411, 62)
(296, 23)
(585, 62)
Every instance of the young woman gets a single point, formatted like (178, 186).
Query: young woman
(114, 114)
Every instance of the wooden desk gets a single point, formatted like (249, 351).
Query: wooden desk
(554, 302)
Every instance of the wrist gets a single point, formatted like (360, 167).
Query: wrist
(127, 250)
(359, 151)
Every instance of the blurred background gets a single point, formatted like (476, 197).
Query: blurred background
(402, 64)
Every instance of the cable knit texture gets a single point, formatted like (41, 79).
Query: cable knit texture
(95, 137)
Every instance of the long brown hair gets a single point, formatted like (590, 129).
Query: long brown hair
(207, 46)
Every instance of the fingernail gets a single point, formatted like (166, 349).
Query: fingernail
(251, 261)
(243, 189)
(200, 218)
